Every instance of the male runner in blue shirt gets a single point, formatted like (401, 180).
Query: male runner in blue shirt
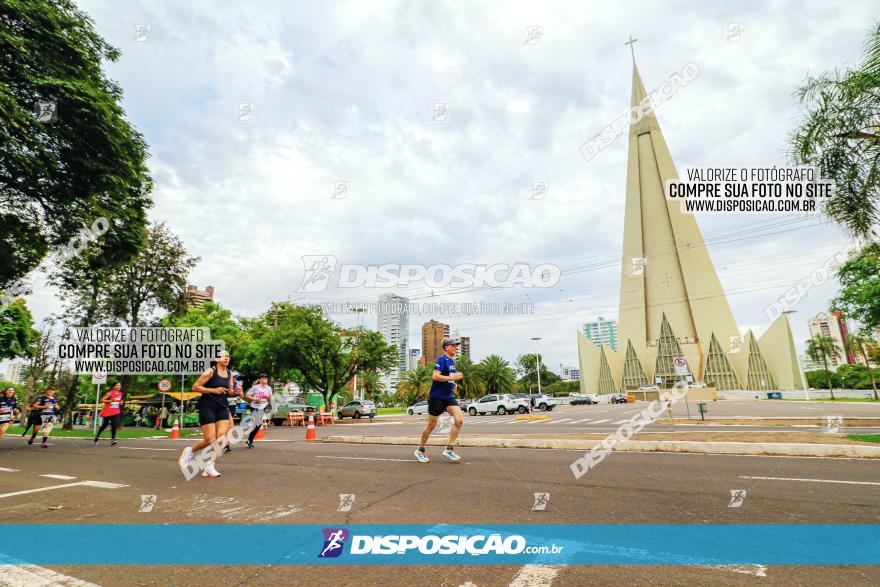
(442, 399)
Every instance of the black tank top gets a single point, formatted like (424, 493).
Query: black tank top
(216, 380)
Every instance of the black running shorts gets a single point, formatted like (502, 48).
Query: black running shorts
(438, 405)
(211, 412)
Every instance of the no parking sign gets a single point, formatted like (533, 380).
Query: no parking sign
(681, 365)
(164, 385)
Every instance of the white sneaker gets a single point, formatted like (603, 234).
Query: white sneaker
(185, 457)
(210, 471)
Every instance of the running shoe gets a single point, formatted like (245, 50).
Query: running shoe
(113, 443)
(421, 456)
(450, 454)
(227, 449)
(210, 471)
(185, 457)
(249, 444)
(44, 445)
(96, 442)
(30, 441)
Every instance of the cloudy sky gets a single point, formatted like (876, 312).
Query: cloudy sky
(344, 92)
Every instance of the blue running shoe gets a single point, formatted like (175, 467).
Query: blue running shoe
(450, 454)
(421, 456)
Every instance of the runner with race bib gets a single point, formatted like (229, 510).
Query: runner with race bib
(8, 409)
(111, 413)
(47, 404)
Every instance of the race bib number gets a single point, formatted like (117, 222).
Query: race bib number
(47, 419)
(114, 404)
(5, 418)
(232, 401)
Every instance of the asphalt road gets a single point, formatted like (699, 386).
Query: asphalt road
(607, 417)
(293, 482)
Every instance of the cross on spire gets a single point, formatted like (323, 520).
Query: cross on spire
(631, 42)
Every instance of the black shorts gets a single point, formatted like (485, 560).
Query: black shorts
(211, 412)
(438, 405)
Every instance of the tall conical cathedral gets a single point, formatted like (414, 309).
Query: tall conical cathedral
(671, 301)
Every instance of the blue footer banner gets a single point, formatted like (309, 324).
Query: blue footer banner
(623, 544)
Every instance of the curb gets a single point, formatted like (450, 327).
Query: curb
(685, 446)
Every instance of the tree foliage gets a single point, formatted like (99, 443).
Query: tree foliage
(59, 174)
(17, 333)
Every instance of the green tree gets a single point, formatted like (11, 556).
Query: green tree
(859, 296)
(471, 384)
(155, 278)
(61, 174)
(370, 383)
(17, 333)
(822, 379)
(867, 349)
(298, 343)
(822, 348)
(497, 374)
(841, 136)
(414, 385)
(527, 369)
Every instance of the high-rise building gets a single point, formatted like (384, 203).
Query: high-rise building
(433, 333)
(464, 349)
(393, 324)
(16, 372)
(602, 332)
(834, 326)
(414, 355)
(196, 298)
(671, 300)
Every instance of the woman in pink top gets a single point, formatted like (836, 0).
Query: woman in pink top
(260, 396)
(112, 413)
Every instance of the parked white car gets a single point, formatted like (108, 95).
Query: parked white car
(418, 408)
(498, 404)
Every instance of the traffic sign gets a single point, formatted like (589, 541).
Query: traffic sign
(681, 365)
(99, 377)
(164, 385)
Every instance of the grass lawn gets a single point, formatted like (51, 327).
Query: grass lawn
(865, 437)
(837, 399)
(57, 432)
(400, 410)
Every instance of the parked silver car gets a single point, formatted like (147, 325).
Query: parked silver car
(357, 409)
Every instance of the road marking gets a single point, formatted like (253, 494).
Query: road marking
(59, 477)
(624, 421)
(366, 459)
(535, 576)
(600, 421)
(142, 448)
(584, 420)
(812, 480)
(5, 470)
(98, 484)
(34, 576)
(557, 422)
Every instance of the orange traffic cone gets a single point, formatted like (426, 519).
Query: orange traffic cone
(311, 434)
(260, 434)
(175, 431)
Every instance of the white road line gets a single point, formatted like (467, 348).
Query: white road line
(623, 421)
(535, 576)
(600, 421)
(59, 477)
(98, 484)
(558, 421)
(34, 576)
(811, 480)
(5, 470)
(584, 420)
(366, 459)
(142, 448)
(534, 421)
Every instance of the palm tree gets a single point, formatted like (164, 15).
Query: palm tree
(414, 385)
(860, 345)
(497, 374)
(840, 136)
(471, 384)
(371, 383)
(820, 348)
